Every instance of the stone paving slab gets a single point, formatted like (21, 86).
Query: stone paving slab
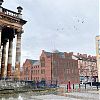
(52, 97)
(82, 95)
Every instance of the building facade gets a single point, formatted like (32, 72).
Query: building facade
(53, 67)
(61, 67)
(10, 27)
(87, 66)
(98, 55)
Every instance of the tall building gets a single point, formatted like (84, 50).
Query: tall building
(98, 55)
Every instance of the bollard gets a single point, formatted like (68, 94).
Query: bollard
(97, 87)
(67, 87)
(85, 85)
(79, 86)
(73, 86)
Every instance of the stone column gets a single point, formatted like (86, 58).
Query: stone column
(0, 34)
(9, 64)
(3, 60)
(0, 44)
(18, 56)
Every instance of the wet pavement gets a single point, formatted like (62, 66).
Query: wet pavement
(58, 94)
(85, 95)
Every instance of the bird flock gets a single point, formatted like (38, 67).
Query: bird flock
(77, 21)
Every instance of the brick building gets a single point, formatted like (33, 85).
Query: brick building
(60, 67)
(26, 72)
(53, 67)
(87, 66)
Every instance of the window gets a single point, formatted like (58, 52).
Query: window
(99, 50)
(42, 62)
(42, 71)
(32, 72)
(38, 71)
(72, 71)
(26, 71)
(68, 71)
(99, 43)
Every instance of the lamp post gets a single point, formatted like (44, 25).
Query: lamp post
(91, 73)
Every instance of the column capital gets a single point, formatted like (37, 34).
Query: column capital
(20, 30)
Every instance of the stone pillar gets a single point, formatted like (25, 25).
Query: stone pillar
(0, 44)
(3, 60)
(0, 34)
(98, 55)
(18, 56)
(9, 64)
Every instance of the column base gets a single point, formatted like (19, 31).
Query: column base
(17, 71)
(2, 70)
(8, 70)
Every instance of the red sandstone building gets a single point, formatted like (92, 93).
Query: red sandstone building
(53, 67)
(60, 67)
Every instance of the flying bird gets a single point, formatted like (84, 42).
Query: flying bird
(82, 21)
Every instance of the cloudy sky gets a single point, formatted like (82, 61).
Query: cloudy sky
(65, 25)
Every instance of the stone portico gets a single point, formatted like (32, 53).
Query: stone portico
(10, 27)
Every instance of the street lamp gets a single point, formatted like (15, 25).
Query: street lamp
(91, 70)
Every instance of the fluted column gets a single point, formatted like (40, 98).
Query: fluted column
(9, 64)
(3, 60)
(18, 56)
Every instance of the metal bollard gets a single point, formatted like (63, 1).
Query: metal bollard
(97, 87)
(79, 86)
(85, 85)
(73, 86)
(67, 87)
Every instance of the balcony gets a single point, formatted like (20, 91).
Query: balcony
(9, 13)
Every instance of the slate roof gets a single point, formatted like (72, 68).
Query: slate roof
(36, 63)
(48, 54)
(32, 61)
